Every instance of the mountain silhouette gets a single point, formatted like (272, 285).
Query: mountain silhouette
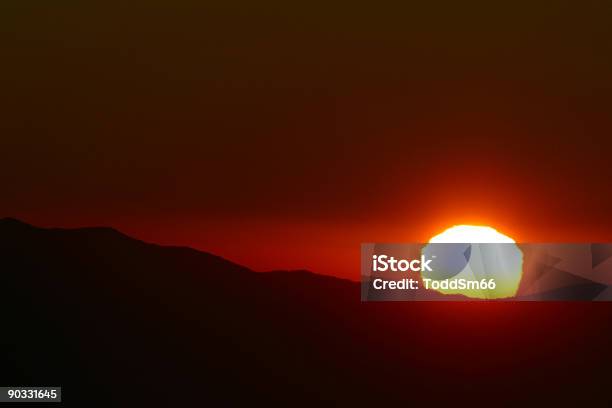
(119, 322)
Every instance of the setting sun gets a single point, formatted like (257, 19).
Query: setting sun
(475, 253)
(471, 234)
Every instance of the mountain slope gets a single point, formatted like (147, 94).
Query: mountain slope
(91, 307)
(118, 322)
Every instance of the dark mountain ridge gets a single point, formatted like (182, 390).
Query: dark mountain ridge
(119, 322)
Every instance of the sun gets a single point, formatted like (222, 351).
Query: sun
(475, 253)
(471, 234)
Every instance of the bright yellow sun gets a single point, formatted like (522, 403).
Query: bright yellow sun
(468, 254)
(471, 234)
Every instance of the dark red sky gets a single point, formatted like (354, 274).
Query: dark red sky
(283, 134)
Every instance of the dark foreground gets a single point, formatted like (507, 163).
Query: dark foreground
(117, 322)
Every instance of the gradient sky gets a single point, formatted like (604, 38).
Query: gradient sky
(283, 134)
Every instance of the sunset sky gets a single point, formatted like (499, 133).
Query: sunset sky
(281, 135)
